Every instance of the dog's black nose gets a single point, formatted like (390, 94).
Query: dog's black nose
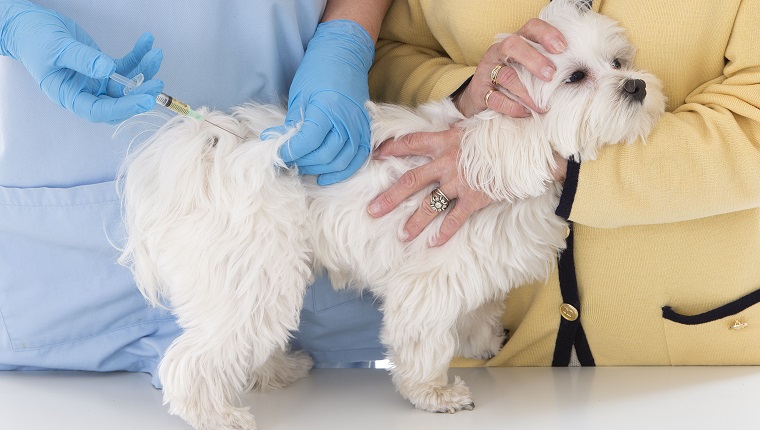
(635, 89)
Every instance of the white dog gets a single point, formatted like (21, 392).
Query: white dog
(225, 235)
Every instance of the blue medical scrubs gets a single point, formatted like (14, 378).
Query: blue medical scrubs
(65, 303)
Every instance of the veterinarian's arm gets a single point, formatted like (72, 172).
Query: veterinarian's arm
(367, 13)
(703, 158)
(69, 67)
(329, 91)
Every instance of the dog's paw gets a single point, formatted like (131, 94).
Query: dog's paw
(238, 419)
(282, 369)
(447, 399)
(226, 419)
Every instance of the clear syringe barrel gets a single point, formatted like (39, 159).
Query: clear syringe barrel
(163, 99)
(177, 106)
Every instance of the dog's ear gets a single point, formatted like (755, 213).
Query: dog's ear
(561, 8)
(582, 5)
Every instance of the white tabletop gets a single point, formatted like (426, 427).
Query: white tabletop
(336, 399)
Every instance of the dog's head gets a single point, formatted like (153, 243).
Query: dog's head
(596, 96)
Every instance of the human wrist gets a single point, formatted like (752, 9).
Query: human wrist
(347, 36)
(559, 171)
(9, 10)
(464, 104)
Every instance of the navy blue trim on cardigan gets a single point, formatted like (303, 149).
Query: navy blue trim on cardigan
(569, 189)
(726, 310)
(570, 333)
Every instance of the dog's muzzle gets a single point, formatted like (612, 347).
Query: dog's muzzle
(636, 89)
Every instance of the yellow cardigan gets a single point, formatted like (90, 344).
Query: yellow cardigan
(671, 223)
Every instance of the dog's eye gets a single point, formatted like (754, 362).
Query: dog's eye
(577, 76)
(616, 64)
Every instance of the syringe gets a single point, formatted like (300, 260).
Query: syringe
(164, 99)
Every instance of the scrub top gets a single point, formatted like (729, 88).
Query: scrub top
(65, 303)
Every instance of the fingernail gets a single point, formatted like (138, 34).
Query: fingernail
(433, 241)
(374, 208)
(548, 72)
(558, 45)
(404, 235)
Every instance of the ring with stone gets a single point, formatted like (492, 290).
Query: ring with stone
(438, 201)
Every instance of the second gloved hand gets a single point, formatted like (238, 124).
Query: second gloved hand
(328, 94)
(69, 67)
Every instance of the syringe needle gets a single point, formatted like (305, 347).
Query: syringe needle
(219, 126)
(165, 100)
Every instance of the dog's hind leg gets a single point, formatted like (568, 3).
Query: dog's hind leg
(212, 363)
(202, 381)
(238, 302)
(419, 331)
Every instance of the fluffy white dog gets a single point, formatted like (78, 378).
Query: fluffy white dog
(225, 235)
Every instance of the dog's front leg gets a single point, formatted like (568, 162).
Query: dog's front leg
(420, 336)
(480, 333)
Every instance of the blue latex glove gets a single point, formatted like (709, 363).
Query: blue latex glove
(328, 94)
(69, 67)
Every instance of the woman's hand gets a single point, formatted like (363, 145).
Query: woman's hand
(494, 70)
(443, 147)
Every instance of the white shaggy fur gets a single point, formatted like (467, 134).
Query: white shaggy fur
(226, 236)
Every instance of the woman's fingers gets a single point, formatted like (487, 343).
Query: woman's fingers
(429, 144)
(516, 49)
(456, 201)
(545, 34)
(408, 184)
(465, 206)
(494, 77)
(459, 203)
(426, 213)
(498, 101)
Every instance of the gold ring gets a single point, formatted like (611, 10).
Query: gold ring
(438, 201)
(488, 95)
(495, 74)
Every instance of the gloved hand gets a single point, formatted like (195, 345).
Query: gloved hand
(328, 94)
(69, 67)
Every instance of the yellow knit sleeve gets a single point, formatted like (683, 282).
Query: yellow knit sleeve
(703, 158)
(410, 65)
